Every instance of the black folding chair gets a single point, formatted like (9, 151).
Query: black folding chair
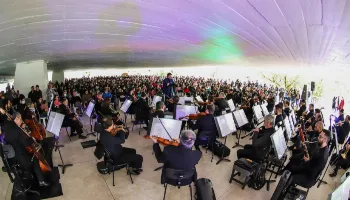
(178, 178)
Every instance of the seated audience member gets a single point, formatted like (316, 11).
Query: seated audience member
(113, 143)
(261, 141)
(181, 157)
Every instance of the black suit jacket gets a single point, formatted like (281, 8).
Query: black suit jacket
(113, 143)
(15, 137)
(222, 104)
(261, 141)
(142, 109)
(206, 124)
(179, 158)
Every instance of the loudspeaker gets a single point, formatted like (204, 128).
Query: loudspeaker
(312, 86)
(304, 93)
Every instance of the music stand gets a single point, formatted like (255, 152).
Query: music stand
(240, 120)
(89, 110)
(155, 100)
(342, 192)
(280, 146)
(54, 126)
(231, 105)
(225, 125)
(162, 128)
(258, 115)
(182, 100)
(125, 107)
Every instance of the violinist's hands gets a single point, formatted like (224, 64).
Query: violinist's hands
(177, 140)
(347, 147)
(154, 140)
(2, 111)
(306, 158)
(23, 125)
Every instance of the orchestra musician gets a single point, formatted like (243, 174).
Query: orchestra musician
(142, 109)
(286, 109)
(261, 140)
(279, 114)
(72, 120)
(181, 157)
(172, 104)
(302, 108)
(15, 137)
(206, 127)
(229, 94)
(113, 143)
(305, 167)
(158, 113)
(342, 128)
(221, 102)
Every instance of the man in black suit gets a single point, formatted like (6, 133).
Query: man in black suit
(142, 109)
(279, 115)
(306, 169)
(286, 109)
(229, 94)
(221, 103)
(32, 95)
(261, 142)
(181, 157)
(38, 93)
(342, 162)
(206, 127)
(114, 145)
(14, 136)
(302, 108)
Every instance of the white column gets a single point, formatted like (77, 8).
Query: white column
(57, 75)
(30, 74)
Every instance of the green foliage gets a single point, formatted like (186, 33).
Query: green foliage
(318, 93)
(282, 80)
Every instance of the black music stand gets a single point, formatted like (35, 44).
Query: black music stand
(222, 158)
(89, 114)
(124, 108)
(237, 117)
(54, 126)
(57, 148)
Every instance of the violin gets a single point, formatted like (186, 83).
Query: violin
(194, 116)
(116, 129)
(164, 142)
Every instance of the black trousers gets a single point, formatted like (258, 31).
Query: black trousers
(342, 163)
(247, 152)
(75, 126)
(200, 141)
(129, 156)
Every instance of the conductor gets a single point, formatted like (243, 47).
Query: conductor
(168, 85)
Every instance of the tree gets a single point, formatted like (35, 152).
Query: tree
(318, 93)
(282, 80)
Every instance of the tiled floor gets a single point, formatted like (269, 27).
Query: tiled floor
(83, 182)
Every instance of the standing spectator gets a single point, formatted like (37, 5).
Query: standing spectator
(31, 94)
(38, 93)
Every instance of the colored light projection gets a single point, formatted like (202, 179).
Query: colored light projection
(221, 47)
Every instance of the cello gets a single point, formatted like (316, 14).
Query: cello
(34, 148)
(37, 130)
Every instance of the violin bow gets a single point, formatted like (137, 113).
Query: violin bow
(165, 128)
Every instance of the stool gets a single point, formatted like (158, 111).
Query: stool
(245, 172)
(137, 123)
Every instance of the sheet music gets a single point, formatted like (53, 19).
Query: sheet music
(183, 110)
(279, 143)
(55, 123)
(243, 116)
(172, 126)
(155, 100)
(225, 124)
(89, 109)
(126, 106)
(291, 123)
(258, 112)
(183, 99)
(264, 110)
(342, 192)
(288, 129)
(231, 105)
(293, 117)
(199, 98)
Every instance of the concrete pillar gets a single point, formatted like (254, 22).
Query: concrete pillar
(57, 75)
(30, 74)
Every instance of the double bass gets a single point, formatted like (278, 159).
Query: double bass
(37, 130)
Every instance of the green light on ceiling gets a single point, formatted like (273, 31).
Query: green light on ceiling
(220, 48)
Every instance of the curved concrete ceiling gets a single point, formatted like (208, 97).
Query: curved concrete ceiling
(182, 32)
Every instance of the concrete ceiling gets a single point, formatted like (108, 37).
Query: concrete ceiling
(69, 33)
